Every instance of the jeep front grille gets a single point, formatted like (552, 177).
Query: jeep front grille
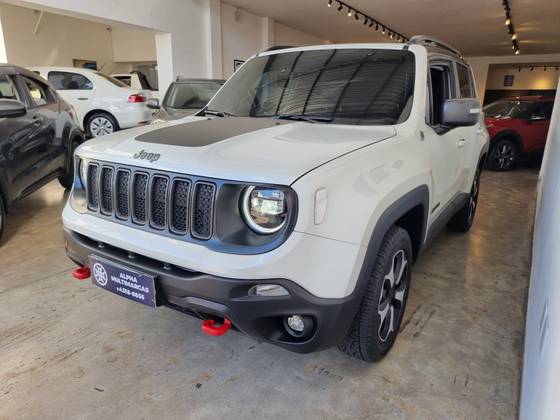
(152, 200)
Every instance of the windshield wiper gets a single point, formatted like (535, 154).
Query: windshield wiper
(217, 113)
(307, 118)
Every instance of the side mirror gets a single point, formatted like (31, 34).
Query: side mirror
(10, 108)
(461, 112)
(153, 103)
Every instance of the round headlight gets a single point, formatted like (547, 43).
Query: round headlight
(264, 209)
(83, 167)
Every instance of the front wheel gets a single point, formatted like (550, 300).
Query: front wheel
(67, 179)
(503, 155)
(376, 325)
(101, 124)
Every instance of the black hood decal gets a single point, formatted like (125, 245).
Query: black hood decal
(208, 131)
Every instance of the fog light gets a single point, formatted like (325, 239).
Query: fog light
(268, 290)
(296, 323)
(299, 326)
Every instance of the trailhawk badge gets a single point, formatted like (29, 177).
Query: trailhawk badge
(143, 155)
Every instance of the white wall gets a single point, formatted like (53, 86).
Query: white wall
(58, 40)
(242, 36)
(284, 35)
(538, 79)
(133, 45)
(245, 34)
(3, 54)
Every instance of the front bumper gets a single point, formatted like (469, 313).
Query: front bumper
(207, 296)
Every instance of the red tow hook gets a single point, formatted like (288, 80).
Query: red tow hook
(81, 273)
(209, 327)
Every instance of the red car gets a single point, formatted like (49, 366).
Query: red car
(517, 126)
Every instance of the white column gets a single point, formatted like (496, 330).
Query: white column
(3, 54)
(213, 35)
(267, 32)
(164, 56)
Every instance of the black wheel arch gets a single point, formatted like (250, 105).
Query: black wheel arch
(409, 212)
(510, 135)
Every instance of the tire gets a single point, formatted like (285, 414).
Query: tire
(370, 336)
(2, 218)
(464, 218)
(68, 179)
(503, 155)
(101, 124)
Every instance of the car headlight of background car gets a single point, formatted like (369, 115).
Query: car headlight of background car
(264, 209)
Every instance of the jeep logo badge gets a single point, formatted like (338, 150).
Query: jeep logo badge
(143, 155)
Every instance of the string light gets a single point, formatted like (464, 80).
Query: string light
(368, 20)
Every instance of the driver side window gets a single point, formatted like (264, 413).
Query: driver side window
(7, 88)
(442, 87)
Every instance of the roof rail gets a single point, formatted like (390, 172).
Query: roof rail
(278, 47)
(429, 41)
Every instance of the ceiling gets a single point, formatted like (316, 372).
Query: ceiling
(476, 27)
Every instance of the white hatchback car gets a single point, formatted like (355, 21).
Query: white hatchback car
(103, 104)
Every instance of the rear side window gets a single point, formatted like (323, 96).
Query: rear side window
(465, 85)
(62, 80)
(7, 88)
(124, 79)
(38, 92)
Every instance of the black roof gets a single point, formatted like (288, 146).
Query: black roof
(11, 69)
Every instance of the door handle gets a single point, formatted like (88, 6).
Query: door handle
(461, 143)
(37, 122)
(83, 99)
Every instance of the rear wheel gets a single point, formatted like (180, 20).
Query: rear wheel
(376, 325)
(503, 155)
(100, 124)
(464, 218)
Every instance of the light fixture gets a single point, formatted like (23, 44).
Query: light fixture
(368, 20)
(517, 52)
(508, 21)
(514, 36)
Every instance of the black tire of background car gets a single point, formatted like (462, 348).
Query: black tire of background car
(363, 341)
(493, 159)
(68, 179)
(100, 114)
(463, 219)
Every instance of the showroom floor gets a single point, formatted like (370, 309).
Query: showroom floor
(71, 350)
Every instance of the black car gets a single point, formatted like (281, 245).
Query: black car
(185, 97)
(38, 135)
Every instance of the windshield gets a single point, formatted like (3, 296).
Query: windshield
(190, 95)
(510, 109)
(114, 81)
(346, 86)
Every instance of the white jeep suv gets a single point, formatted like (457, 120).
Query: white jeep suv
(293, 207)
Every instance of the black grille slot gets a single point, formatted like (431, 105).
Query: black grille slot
(159, 202)
(123, 184)
(203, 210)
(140, 188)
(107, 190)
(92, 187)
(180, 206)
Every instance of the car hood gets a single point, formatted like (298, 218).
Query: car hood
(259, 150)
